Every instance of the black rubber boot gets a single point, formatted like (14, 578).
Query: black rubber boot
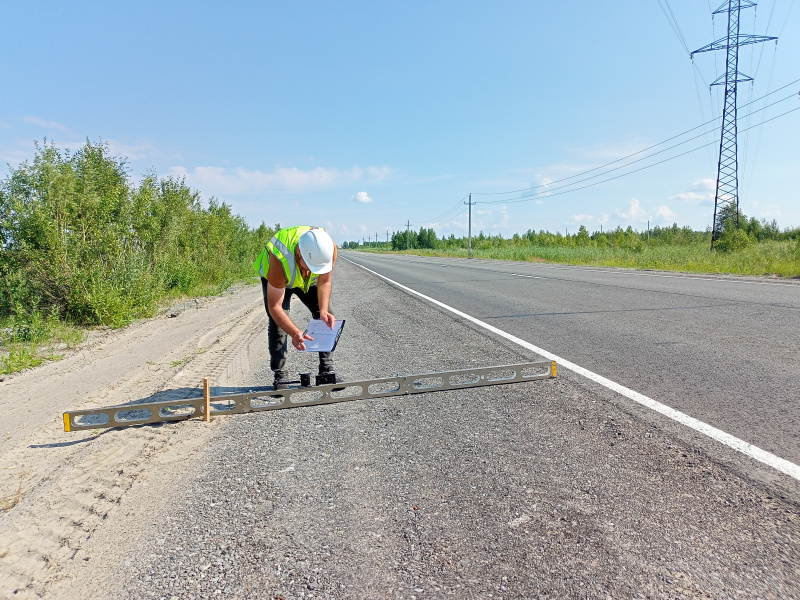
(328, 375)
(281, 381)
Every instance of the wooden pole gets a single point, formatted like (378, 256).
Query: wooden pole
(206, 400)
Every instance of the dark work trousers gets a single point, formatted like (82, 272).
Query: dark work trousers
(279, 340)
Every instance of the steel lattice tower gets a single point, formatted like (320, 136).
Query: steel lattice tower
(726, 199)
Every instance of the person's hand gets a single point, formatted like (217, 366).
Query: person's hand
(328, 318)
(298, 340)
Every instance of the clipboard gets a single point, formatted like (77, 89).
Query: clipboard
(325, 338)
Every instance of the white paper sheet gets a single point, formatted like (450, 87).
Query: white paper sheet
(324, 337)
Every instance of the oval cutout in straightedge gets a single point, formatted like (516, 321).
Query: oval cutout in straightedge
(349, 391)
(501, 375)
(536, 371)
(427, 383)
(177, 410)
(264, 401)
(464, 379)
(384, 387)
(131, 415)
(93, 420)
(306, 396)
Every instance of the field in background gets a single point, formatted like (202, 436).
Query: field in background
(767, 258)
(745, 247)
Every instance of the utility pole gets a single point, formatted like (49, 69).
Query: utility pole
(376, 239)
(408, 228)
(727, 194)
(387, 239)
(469, 230)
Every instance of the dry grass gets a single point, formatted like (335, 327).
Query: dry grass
(11, 501)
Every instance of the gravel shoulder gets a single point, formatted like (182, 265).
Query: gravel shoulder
(547, 489)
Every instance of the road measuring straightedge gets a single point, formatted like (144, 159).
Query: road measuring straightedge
(294, 397)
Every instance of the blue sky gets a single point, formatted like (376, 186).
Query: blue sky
(361, 116)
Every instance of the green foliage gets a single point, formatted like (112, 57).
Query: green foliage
(733, 240)
(82, 244)
(756, 248)
(20, 358)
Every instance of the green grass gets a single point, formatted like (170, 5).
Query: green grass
(28, 341)
(767, 258)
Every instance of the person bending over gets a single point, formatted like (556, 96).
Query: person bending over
(296, 261)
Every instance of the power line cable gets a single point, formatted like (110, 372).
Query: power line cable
(639, 151)
(456, 206)
(460, 214)
(758, 136)
(789, 12)
(443, 217)
(547, 194)
(673, 23)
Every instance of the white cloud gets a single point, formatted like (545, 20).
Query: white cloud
(25, 149)
(220, 181)
(16, 156)
(635, 212)
(362, 198)
(582, 219)
(665, 213)
(700, 192)
(47, 124)
(504, 218)
(482, 212)
(135, 151)
(583, 159)
(769, 211)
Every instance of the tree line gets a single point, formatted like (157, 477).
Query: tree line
(79, 240)
(733, 237)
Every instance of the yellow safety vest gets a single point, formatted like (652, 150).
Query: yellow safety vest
(283, 245)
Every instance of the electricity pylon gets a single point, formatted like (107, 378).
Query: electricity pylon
(727, 194)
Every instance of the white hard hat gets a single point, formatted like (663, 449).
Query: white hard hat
(316, 248)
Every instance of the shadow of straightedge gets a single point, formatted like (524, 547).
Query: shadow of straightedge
(72, 443)
(187, 392)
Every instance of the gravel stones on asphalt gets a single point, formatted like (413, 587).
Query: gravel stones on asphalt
(536, 490)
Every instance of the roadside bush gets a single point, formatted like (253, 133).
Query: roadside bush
(733, 240)
(81, 243)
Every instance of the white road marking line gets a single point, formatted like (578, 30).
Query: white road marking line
(620, 271)
(754, 452)
(665, 276)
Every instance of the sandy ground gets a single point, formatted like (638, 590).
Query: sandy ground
(66, 487)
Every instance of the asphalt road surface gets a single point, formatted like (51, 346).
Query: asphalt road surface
(725, 350)
(548, 489)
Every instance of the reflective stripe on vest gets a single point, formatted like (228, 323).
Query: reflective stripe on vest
(283, 246)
